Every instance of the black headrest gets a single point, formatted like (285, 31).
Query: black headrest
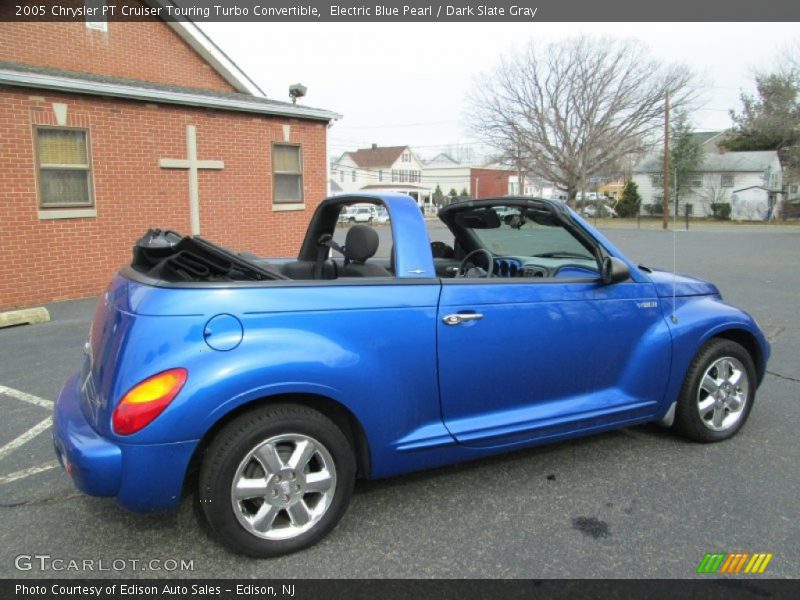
(361, 243)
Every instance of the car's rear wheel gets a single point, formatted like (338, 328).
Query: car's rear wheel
(276, 480)
(718, 392)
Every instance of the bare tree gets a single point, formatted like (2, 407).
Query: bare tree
(463, 153)
(577, 107)
(713, 194)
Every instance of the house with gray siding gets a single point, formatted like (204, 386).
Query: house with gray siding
(750, 182)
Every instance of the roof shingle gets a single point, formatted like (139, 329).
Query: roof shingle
(727, 162)
(371, 158)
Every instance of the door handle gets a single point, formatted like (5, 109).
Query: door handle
(458, 318)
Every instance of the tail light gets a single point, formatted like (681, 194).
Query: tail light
(146, 400)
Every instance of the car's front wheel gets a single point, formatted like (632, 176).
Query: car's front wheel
(718, 392)
(276, 480)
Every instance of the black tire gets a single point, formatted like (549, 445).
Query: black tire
(234, 442)
(688, 421)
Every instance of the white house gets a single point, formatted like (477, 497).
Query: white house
(479, 180)
(536, 188)
(387, 168)
(447, 173)
(533, 187)
(749, 181)
(710, 141)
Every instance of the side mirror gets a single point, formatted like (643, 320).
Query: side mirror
(614, 271)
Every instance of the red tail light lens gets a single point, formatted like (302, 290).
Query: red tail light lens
(146, 400)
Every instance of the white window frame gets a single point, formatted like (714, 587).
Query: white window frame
(87, 168)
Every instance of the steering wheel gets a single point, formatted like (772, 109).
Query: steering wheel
(467, 268)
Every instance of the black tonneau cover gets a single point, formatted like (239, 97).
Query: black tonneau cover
(169, 256)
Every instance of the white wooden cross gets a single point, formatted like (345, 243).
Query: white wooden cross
(193, 164)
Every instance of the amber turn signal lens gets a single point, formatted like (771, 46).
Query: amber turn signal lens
(146, 400)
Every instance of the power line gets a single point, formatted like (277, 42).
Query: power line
(417, 124)
(713, 109)
(348, 143)
(382, 175)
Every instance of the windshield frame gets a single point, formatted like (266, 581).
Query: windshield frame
(469, 241)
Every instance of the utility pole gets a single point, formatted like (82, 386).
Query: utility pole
(665, 211)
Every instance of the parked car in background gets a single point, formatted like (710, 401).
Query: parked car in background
(599, 210)
(345, 215)
(358, 214)
(381, 215)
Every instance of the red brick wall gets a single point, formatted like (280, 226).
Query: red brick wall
(47, 260)
(150, 51)
(488, 183)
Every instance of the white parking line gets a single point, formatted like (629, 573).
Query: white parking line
(28, 472)
(29, 398)
(25, 437)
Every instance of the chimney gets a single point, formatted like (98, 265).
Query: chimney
(374, 146)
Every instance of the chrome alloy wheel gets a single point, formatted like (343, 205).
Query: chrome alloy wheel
(723, 394)
(283, 486)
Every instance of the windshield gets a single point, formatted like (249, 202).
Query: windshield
(521, 232)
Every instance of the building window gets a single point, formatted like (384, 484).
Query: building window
(406, 157)
(394, 175)
(657, 179)
(697, 181)
(287, 165)
(380, 175)
(96, 15)
(726, 180)
(341, 176)
(65, 167)
(354, 174)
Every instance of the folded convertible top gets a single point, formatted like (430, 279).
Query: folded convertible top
(169, 256)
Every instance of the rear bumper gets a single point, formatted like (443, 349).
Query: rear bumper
(94, 463)
(145, 478)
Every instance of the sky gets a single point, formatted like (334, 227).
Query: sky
(406, 83)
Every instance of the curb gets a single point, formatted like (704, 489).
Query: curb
(25, 316)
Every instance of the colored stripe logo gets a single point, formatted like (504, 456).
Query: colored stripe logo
(737, 562)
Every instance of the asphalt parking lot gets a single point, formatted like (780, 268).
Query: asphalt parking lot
(634, 503)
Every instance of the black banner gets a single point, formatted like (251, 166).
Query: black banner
(230, 589)
(400, 10)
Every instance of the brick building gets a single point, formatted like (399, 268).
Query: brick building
(107, 129)
(489, 182)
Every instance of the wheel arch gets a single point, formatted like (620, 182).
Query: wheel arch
(749, 342)
(334, 410)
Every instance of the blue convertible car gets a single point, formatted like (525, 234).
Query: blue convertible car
(266, 386)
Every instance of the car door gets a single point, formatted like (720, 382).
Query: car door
(526, 358)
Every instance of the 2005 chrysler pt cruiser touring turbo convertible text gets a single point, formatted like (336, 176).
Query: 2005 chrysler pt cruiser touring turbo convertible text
(271, 384)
